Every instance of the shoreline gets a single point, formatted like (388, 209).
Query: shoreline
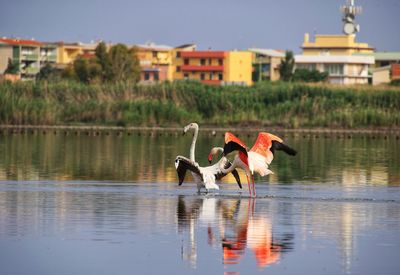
(102, 129)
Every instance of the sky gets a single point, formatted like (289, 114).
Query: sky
(211, 24)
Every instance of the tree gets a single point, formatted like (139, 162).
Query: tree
(12, 67)
(48, 72)
(87, 70)
(103, 59)
(81, 69)
(117, 64)
(136, 65)
(286, 67)
(124, 64)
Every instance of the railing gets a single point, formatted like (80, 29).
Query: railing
(195, 68)
(29, 56)
(52, 58)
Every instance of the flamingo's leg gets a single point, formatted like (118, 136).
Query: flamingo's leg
(253, 205)
(254, 186)
(248, 183)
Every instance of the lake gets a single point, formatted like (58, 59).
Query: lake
(111, 204)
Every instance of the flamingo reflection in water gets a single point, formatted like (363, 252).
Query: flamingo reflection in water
(233, 225)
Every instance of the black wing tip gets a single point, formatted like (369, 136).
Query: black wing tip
(237, 177)
(276, 145)
(291, 151)
(233, 146)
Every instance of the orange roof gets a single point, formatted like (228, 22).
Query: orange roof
(12, 41)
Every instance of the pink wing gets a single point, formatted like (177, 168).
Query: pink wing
(229, 137)
(263, 144)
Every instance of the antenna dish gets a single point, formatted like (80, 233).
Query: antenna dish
(349, 14)
(349, 28)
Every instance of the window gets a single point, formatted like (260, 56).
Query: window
(156, 76)
(178, 54)
(202, 76)
(146, 76)
(178, 68)
(154, 54)
(333, 69)
(202, 62)
(211, 76)
(220, 76)
(220, 62)
(186, 76)
(186, 61)
(209, 61)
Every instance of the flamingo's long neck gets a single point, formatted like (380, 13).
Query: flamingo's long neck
(230, 168)
(193, 146)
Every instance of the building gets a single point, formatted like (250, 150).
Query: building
(68, 52)
(386, 67)
(29, 55)
(385, 74)
(383, 59)
(266, 64)
(214, 67)
(155, 62)
(345, 60)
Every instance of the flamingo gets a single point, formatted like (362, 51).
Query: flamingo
(203, 176)
(255, 160)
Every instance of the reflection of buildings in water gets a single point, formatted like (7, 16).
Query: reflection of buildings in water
(132, 158)
(233, 225)
(377, 175)
(352, 176)
(343, 223)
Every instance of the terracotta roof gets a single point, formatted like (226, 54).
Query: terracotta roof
(15, 41)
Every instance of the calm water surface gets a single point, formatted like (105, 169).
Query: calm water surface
(111, 205)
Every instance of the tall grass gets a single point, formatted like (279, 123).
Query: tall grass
(168, 104)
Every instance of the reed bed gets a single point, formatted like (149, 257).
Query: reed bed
(292, 105)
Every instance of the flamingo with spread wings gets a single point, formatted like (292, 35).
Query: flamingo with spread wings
(257, 159)
(204, 176)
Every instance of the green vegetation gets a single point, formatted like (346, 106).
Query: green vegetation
(304, 75)
(171, 104)
(119, 64)
(395, 82)
(287, 66)
(12, 67)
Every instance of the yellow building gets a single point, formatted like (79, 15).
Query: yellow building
(214, 67)
(155, 62)
(345, 60)
(334, 45)
(68, 52)
(266, 64)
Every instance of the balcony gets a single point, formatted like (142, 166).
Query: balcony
(202, 54)
(49, 58)
(33, 57)
(193, 68)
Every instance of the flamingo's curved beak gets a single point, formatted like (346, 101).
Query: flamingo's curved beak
(210, 158)
(185, 130)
